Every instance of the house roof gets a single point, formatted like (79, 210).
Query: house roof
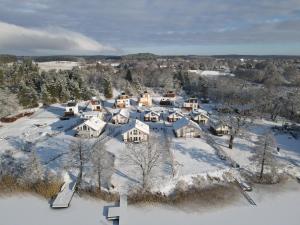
(95, 102)
(71, 103)
(124, 112)
(90, 113)
(184, 122)
(94, 123)
(152, 112)
(138, 125)
(216, 123)
(178, 113)
(191, 100)
(199, 112)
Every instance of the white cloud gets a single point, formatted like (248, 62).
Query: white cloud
(54, 40)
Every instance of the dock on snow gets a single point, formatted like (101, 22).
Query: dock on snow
(64, 197)
(119, 212)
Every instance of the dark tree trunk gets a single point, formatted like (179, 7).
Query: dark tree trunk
(231, 141)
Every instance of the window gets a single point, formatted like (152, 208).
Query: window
(135, 132)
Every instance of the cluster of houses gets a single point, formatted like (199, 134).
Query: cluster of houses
(188, 124)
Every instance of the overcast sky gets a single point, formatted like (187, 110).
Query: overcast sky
(204, 27)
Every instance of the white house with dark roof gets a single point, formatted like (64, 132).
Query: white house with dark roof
(91, 128)
(71, 108)
(152, 116)
(200, 116)
(121, 117)
(186, 128)
(136, 131)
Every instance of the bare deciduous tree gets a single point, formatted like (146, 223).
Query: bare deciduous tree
(99, 160)
(79, 151)
(265, 153)
(144, 156)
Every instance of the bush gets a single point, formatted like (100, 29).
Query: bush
(47, 189)
(214, 194)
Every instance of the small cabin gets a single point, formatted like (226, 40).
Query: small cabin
(136, 131)
(94, 105)
(91, 128)
(191, 104)
(186, 128)
(199, 116)
(152, 116)
(145, 99)
(121, 117)
(219, 127)
(123, 101)
(71, 108)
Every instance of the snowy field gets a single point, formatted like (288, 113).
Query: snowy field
(210, 73)
(276, 205)
(57, 65)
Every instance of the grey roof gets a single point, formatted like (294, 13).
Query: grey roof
(184, 122)
(138, 125)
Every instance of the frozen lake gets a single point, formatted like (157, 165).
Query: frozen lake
(275, 206)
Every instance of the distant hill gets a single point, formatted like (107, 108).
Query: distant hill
(140, 56)
(7, 58)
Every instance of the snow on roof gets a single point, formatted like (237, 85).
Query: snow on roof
(197, 112)
(152, 112)
(138, 125)
(175, 112)
(124, 112)
(91, 113)
(217, 123)
(184, 122)
(95, 123)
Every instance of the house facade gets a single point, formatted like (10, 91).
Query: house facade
(136, 132)
(174, 116)
(186, 128)
(123, 101)
(92, 114)
(191, 104)
(95, 105)
(121, 117)
(219, 127)
(71, 108)
(91, 128)
(152, 116)
(145, 99)
(200, 116)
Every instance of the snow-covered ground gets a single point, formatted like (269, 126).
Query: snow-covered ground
(210, 73)
(57, 65)
(276, 205)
